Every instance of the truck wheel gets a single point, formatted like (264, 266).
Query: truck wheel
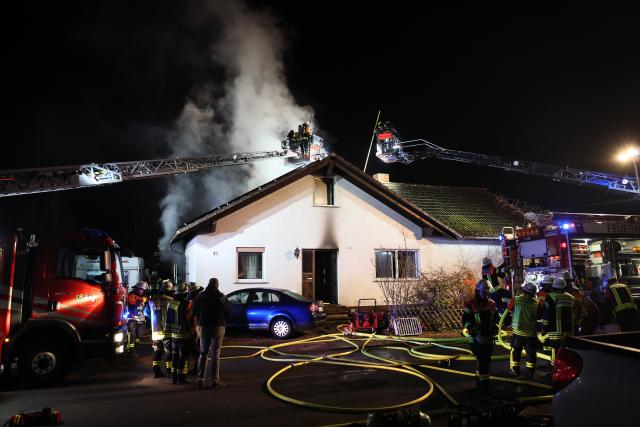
(43, 363)
(281, 328)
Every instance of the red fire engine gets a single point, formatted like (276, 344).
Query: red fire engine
(58, 305)
(592, 247)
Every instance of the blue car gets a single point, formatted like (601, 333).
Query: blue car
(279, 311)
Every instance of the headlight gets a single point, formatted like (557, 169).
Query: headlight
(118, 337)
(120, 349)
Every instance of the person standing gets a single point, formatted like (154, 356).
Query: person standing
(160, 342)
(193, 291)
(480, 319)
(525, 313)
(211, 310)
(619, 300)
(136, 303)
(579, 310)
(180, 323)
(557, 316)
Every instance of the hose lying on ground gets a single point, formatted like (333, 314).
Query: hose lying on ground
(414, 347)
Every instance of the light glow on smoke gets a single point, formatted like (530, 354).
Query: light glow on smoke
(254, 113)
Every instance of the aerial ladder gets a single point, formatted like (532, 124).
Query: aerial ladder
(302, 148)
(390, 149)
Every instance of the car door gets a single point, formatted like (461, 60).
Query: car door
(259, 310)
(238, 302)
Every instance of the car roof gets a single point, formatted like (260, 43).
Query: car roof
(260, 290)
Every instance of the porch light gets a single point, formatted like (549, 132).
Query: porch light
(296, 252)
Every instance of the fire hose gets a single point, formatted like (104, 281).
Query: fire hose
(417, 350)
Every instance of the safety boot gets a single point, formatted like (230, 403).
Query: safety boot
(157, 372)
(515, 371)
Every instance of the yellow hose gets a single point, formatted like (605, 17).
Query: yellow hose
(416, 348)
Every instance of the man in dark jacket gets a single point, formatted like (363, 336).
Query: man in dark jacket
(211, 310)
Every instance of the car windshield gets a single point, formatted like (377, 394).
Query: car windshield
(296, 296)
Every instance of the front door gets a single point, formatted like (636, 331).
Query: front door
(326, 275)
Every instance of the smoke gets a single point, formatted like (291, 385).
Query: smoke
(250, 111)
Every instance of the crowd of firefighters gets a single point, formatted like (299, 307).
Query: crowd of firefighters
(172, 313)
(542, 314)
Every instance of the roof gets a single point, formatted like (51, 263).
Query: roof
(472, 212)
(416, 202)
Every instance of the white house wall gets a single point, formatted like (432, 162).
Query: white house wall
(286, 220)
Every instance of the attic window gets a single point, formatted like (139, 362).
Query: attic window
(323, 191)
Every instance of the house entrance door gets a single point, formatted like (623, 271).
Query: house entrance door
(320, 274)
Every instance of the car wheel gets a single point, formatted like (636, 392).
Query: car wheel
(281, 328)
(43, 363)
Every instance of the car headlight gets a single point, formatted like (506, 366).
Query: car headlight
(118, 337)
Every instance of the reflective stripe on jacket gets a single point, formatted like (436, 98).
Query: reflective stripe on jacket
(525, 313)
(177, 321)
(480, 319)
(557, 315)
(158, 310)
(621, 298)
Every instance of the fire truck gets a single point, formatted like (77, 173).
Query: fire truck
(61, 301)
(592, 247)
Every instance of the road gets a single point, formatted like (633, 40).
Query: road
(125, 393)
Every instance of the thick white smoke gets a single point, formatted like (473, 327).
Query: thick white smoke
(252, 115)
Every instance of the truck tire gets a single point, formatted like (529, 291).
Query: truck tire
(43, 363)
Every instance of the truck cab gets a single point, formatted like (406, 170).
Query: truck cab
(60, 301)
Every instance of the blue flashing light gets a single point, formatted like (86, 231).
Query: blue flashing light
(501, 237)
(565, 226)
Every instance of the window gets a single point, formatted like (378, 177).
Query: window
(323, 191)
(239, 298)
(80, 263)
(263, 297)
(250, 266)
(396, 264)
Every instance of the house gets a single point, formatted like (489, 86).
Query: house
(329, 231)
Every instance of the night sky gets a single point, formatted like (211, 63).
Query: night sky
(104, 81)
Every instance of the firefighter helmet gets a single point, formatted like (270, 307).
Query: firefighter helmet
(194, 288)
(482, 289)
(559, 284)
(143, 286)
(546, 282)
(529, 288)
(180, 288)
(487, 261)
(167, 285)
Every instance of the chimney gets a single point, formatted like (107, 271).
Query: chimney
(381, 177)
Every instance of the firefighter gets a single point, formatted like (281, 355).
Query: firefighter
(160, 341)
(524, 309)
(193, 291)
(544, 289)
(579, 310)
(480, 319)
(136, 304)
(619, 300)
(178, 320)
(495, 277)
(557, 316)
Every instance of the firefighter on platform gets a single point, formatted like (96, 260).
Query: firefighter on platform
(524, 309)
(136, 304)
(193, 291)
(557, 316)
(618, 298)
(480, 320)
(180, 323)
(161, 343)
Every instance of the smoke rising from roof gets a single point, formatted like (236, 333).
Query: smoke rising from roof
(250, 111)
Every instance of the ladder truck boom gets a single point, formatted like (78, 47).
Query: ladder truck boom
(29, 181)
(391, 150)
(299, 147)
